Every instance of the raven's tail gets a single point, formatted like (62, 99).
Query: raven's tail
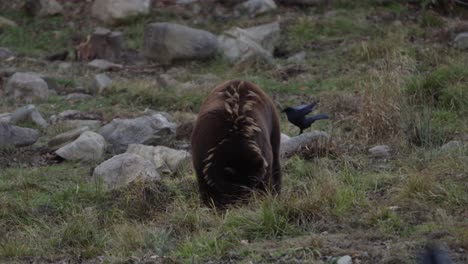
(309, 120)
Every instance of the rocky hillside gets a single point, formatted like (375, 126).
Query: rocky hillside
(98, 99)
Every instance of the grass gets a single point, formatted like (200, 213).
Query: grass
(379, 85)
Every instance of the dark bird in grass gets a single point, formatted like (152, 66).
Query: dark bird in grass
(297, 115)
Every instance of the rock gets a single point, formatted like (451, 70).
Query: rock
(102, 82)
(166, 80)
(114, 11)
(345, 260)
(17, 136)
(104, 65)
(88, 146)
(461, 41)
(165, 159)
(147, 130)
(297, 58)
(43, 8)
(28, 112)
(123, 169)
(73, 114)
(5, 117)
(284, 138)
(380, 152)
(314, 141)
(65, 138)
(242, 44)
(452, 146)
(5, 54)
(257, 7)
(92, 124)
(6, 23)
(64, 66)
(165, 42)
(26, 87)
(77, 96)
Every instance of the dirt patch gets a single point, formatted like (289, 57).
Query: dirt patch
(27, 157)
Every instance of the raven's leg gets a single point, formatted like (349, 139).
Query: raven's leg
(300, 132)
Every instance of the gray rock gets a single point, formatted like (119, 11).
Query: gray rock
(104, 65)
(5, 53)
(166, 80)
(64, 66)
(461, 41)
(73, 115)
(17, 136)
(28, 112)
(114, 11)
(102, 82)
(6, 23)
(77, 96)
(26, 87)
(88, 146)
(380, 152)
(5, 117)
(165, 42)
(165, 159)
(147, 130)
(297, 58)
(295, 144)
(43, 8)
(257, 7)
(123, 169)
(345, 260)
(92, 124)
(284, 138)
(452, 146)
(208, 78)
(65, 138)
(242, 44)
(303, 2)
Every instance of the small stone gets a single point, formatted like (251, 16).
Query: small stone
(88, 146)
(380, 152)
(284, 138)
(43, 8)
(5, 54)
(113, 12)
(92, 124)
(257, 7)
(166, 80)
(104, 65)
(297, 58)
(315, 140)
(345, 260)
(5, 117)
(165, 159)
(102, 82)
(65, 138)
(123, 169)
(37, 118)
(6, 23)
(461, 41)
(64, 66)
(452, 146)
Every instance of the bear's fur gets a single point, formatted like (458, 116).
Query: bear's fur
(235, 144)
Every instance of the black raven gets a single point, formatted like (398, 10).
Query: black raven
(297, 115)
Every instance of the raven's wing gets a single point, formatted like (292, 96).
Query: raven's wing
(303, 110)
(309, 120)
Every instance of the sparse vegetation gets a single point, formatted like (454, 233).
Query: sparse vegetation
(381, 84)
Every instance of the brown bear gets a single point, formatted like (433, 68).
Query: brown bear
(235, 144)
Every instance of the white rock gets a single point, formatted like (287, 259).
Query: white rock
(345, 260)
(295, 144)
(165, 42)
(6, 23)
(165, 159)
(27, 87)
(242, 44)
(65, 138)
(104, 65)
(43, 8)
(452, 146)
(5, 53)
(257, 7)
(284, 138)
(147, 130)
(461, 41)
(77, 96)
(123, 169)
(114, 11)
(102, 82)
(77, 123)
(88, 146)
(380, 152)
(5, 117)
(297, 58)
